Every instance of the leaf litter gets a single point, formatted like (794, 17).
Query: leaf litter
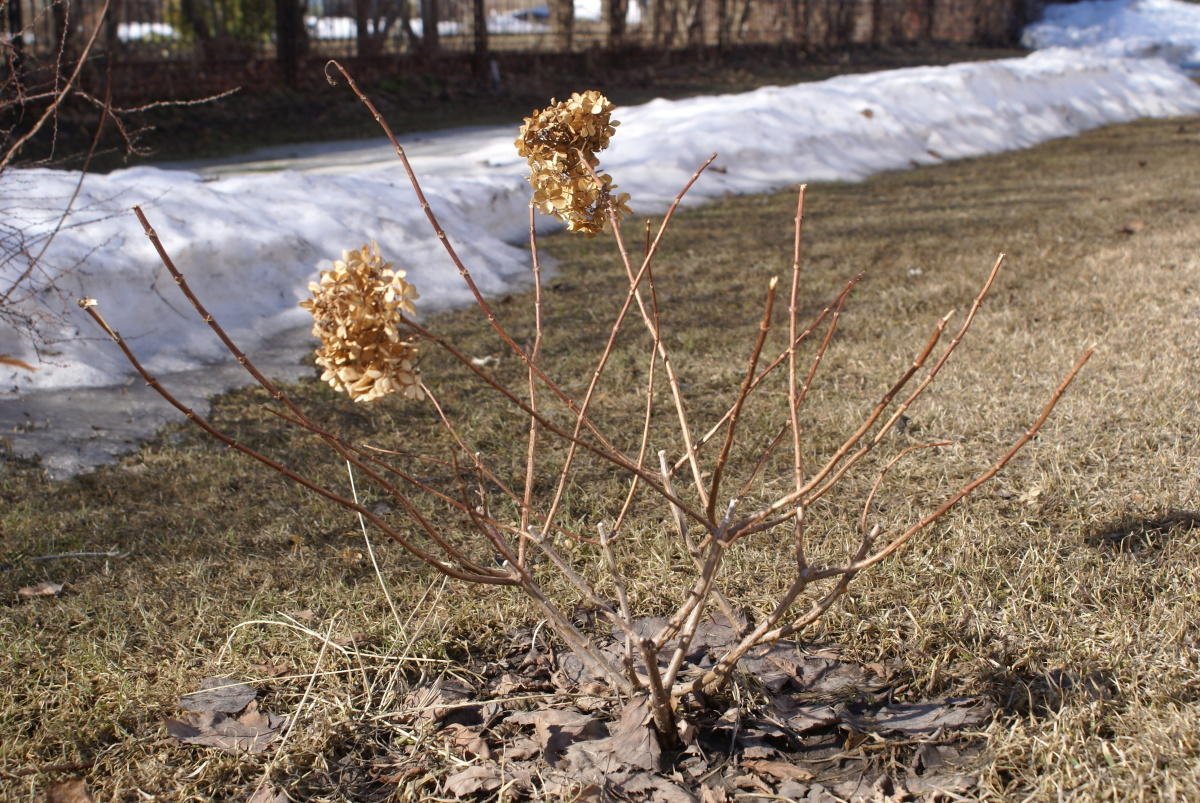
(223, 713)
(806, 725)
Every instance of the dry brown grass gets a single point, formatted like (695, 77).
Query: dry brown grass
(1067, 592)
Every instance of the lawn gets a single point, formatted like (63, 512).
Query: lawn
(1065, 593)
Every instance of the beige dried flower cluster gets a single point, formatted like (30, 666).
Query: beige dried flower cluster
(560, 143)
(356, 311)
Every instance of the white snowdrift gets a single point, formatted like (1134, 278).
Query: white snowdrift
(250, 243)
(1167, 29)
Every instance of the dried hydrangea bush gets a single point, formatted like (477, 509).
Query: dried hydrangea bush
(357, 309)
(490, 525)
(560, 142)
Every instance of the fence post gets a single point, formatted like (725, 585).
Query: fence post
(480, 39)
(287, 39)
(17, 39)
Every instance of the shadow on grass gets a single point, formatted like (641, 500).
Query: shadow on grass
(1136, 536)
(1042, 694)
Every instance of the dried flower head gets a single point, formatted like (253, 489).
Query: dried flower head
(560, 143)
(356, 310)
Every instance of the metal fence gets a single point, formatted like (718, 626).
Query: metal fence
(167, 30)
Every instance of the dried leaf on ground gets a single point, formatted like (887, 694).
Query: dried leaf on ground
(445, 697)
(474, 779)
(251, 732)
(914, 718)
(806, 718)
(632, 745)
(779, 770)
(782, 663)
(932, 757)
(218, 695)
(656, 788)
(42, 589)
(521, 749)
(74, 790)
(556, 729)
(940, 786)
(468, 741)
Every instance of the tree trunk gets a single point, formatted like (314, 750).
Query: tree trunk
(743, 20)
(877, 34)
(429, 26)
(658, 23)
(362, 27)
(615, 12)
(193, 20)
(723, 24)
(695, 23)
(562, 13)
(15, 28)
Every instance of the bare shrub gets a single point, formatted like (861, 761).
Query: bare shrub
(484, 522)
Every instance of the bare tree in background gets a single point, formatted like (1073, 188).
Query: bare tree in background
(615, 14)
(429, 26)
(34, 92)
(562, 17)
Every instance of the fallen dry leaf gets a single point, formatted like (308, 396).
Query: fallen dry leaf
(445, 696)
(218, 695)
(557, 729)
(74, 790)
(941, 786)
(521, 749)
(750, 783)
(656, 788)
(476, 778)
(779, 770)
(914, 718)
(632, 745)
(806, 718)
(251, 732)
(42, 589)
(468, 741)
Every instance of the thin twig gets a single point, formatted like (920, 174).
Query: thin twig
(744, 391)
(112, 553)
(534, 353)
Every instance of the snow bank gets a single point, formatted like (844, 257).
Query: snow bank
(251, 242)
(1167, 29)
